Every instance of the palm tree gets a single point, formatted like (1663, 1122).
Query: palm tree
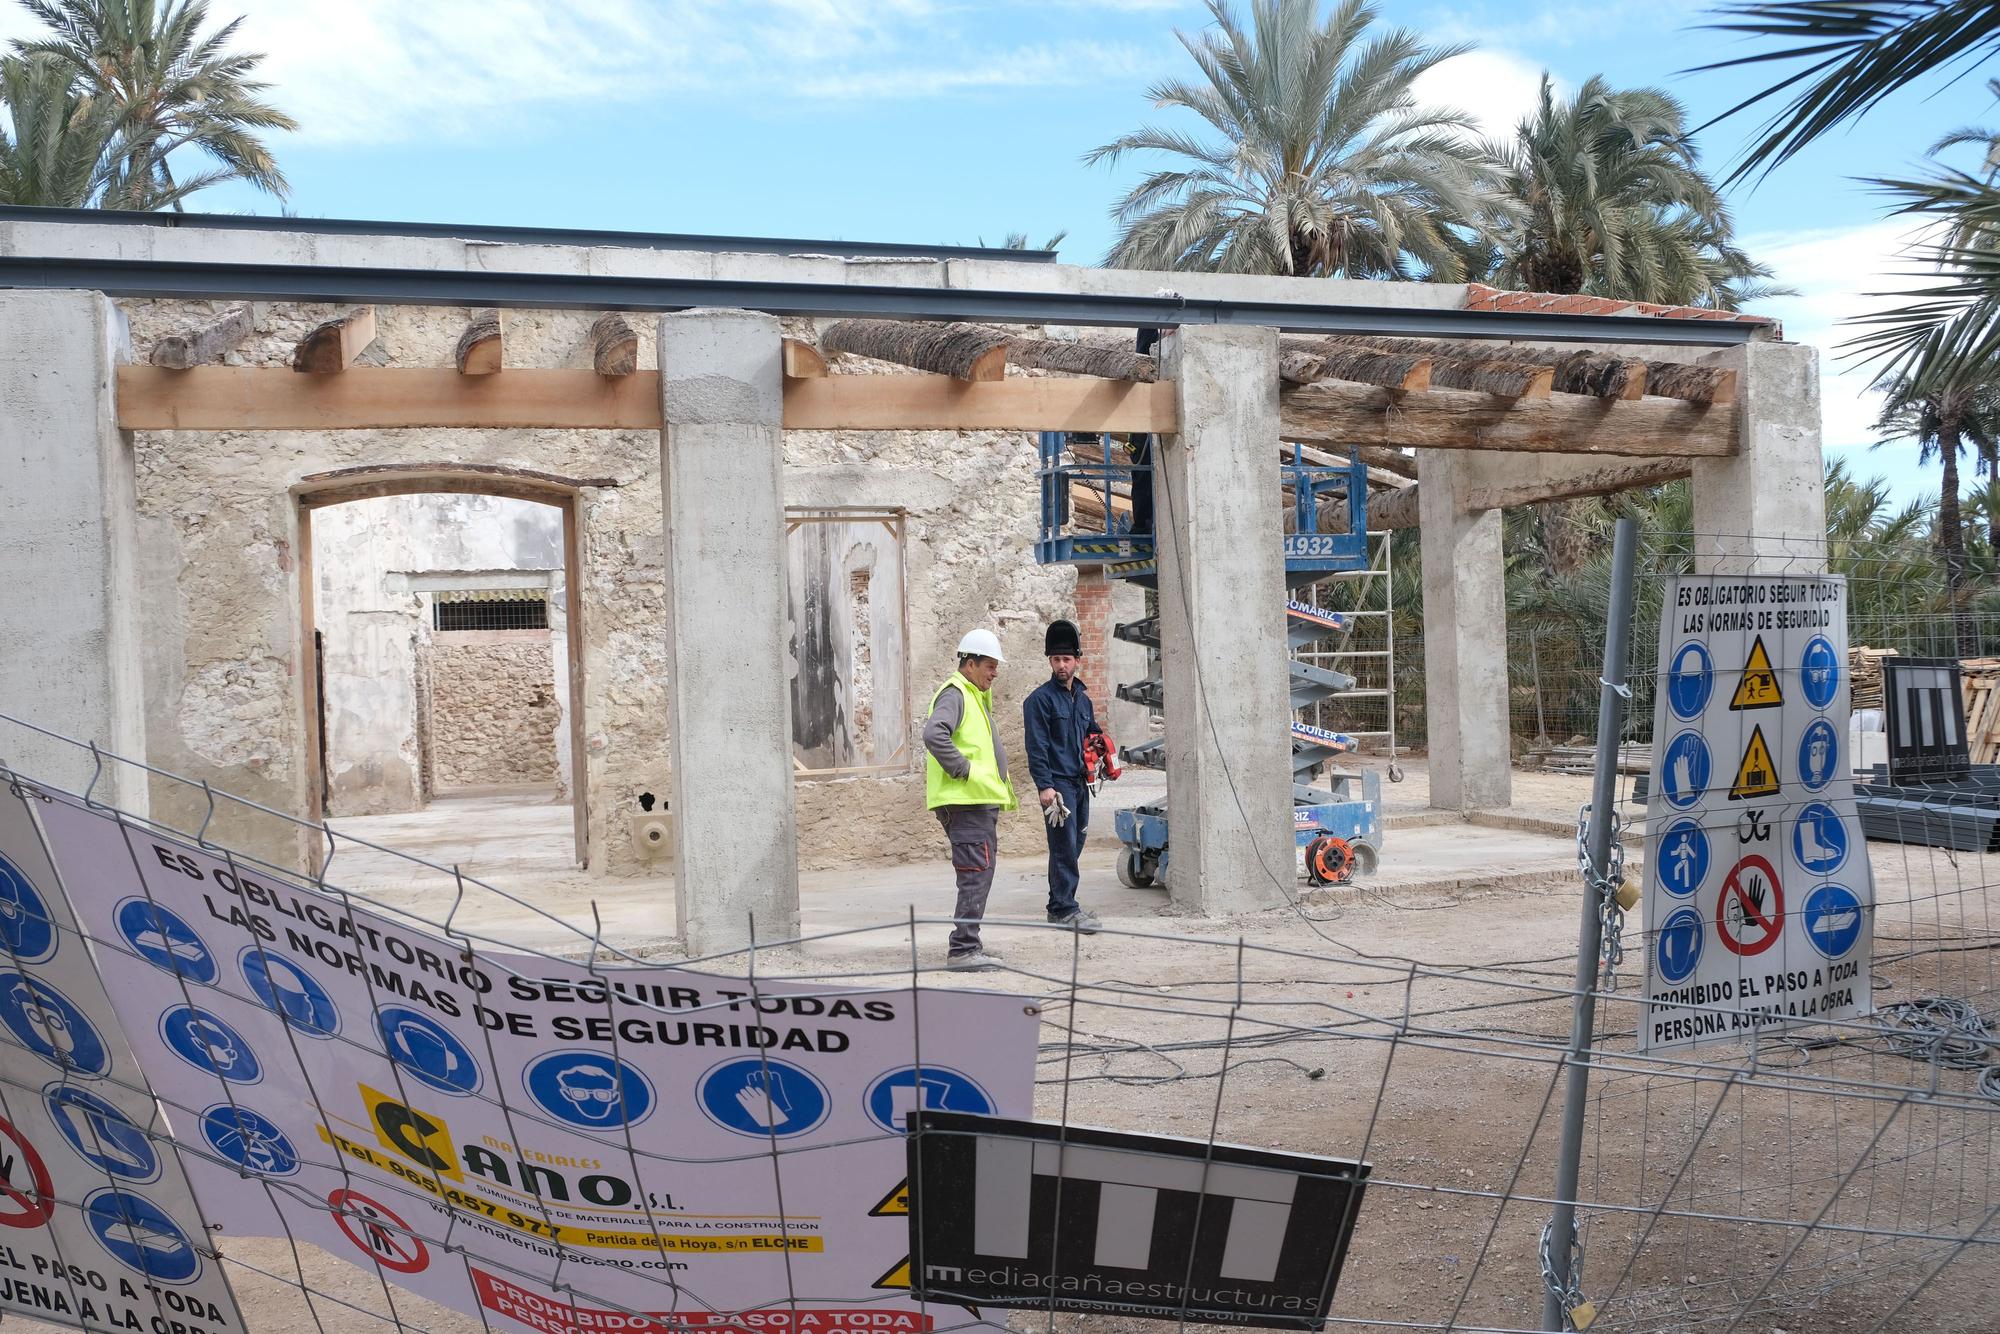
(168, 87)
(1613, 202)
(1944, 422)
(64, 149)
(1317, 159)
(54, 154)
(1855, 54)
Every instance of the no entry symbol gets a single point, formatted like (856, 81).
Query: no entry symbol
(27, 1195)
(1751, 910)
(376, 1229)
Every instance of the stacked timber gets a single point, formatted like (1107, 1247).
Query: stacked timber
(1864, 674)
(1979, 687)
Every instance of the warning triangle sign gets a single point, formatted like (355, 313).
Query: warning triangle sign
(898, 1277)
(895, 1203)
(1758, 688)
(1756, 775)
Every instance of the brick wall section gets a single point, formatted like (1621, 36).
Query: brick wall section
(493, 710)
(1093, 627)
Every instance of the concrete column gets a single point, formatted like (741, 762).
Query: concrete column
(721, 471)
(1764, 511)
(1465, 638)
(69, 644)
(1222, 618)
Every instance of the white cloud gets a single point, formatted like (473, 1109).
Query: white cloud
(1496, 88)
(1839, 274)
(384, 71)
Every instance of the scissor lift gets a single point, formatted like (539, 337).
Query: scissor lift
(1337, 815)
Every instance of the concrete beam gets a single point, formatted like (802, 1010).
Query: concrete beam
(1465, 639)
(1222, 614)
(69, 643)
(721, 476)
(1764, 510)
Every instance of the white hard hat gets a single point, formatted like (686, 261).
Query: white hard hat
(983, 643)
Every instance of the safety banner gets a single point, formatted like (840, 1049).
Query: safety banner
(98, 1228)
(1759, 895)
(537, 1142)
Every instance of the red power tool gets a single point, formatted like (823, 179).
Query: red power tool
(1100, 760)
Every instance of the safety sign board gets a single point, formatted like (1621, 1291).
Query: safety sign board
(98, 1224)
(1759, 898)
(1025, 1214)
(646, 1138)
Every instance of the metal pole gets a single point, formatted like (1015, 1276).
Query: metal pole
(1583, 1015)
(1535, 664)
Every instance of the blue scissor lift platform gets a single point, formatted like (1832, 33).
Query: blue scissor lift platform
(1337, 815)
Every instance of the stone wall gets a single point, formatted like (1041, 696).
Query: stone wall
(218, 547)
(218, 534)
(493, 715)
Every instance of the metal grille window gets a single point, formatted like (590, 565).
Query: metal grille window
(490, 609)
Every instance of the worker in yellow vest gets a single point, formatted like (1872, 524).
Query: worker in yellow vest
(965, 782)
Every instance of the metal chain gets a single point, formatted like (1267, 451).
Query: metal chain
(1606, 885)
(1568, 1289)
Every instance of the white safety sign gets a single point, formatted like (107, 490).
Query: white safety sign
(1759, 898)
(509, 1134)
(98, 1227)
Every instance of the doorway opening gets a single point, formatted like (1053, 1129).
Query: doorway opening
(445, 698)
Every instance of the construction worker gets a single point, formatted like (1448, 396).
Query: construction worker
(965, 782)
(1059, 716)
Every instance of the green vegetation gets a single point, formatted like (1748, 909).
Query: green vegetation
(99, 111)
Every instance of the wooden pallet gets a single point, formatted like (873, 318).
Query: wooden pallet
(1979, 687)
(1864, 674)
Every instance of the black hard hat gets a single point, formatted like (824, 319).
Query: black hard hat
(1062, 638)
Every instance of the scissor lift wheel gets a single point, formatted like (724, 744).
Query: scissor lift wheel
(1136, 868)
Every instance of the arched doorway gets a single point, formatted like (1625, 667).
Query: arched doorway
(441, 613)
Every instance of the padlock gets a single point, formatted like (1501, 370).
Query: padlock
(1582, 1315)
(1628, 894)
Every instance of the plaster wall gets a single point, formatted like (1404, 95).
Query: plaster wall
(218, 592)
(218, 583)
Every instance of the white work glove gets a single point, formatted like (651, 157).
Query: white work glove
(1056, 812)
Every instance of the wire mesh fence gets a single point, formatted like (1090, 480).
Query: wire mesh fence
(1837, 1176)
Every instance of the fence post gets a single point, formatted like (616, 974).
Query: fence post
(1559, 1244)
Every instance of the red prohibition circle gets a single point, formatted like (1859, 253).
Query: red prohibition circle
(1770, 917)
(369, 1223)
(23, 1208)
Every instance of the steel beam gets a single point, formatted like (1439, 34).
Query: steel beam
(180, 280)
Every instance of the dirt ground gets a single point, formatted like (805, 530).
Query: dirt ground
(1443, 1074)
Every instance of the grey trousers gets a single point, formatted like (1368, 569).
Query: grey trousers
(972, 830)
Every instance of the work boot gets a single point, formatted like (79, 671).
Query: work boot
(973, 961)
(1079, 919)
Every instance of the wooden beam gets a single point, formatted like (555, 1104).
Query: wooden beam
(1307, 362)
(1389, 460)
(1398, 509)
(614, 348)
(1606, 481)
(478, 351)
(1600, 376)
(1696, 384)
(1088, 502)
(201, 343)
(1337, 413)
(333, 346)
(236, 398)
(803, 361)
(962, 351)
(1099, 359)
(939, 403)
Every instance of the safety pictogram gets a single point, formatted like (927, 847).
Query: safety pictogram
(1757, 773)
(1758, 686)
(1750, 914)
(896, 1204)
(376, 1229)
(27, 1193)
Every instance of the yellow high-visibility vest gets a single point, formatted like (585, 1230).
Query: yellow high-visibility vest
(982, 784)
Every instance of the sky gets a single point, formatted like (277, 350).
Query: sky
(954, 121)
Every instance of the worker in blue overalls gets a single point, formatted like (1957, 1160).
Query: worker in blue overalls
(1058, 717)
